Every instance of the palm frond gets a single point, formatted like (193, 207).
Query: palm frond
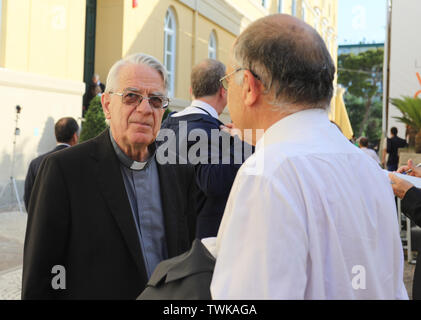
(411, 110)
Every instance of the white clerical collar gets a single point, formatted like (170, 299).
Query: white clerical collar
(128, 162)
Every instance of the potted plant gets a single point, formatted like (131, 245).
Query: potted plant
(94, 122)
(411, 116)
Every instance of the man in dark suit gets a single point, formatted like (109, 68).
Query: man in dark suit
(104, 213)
(392, 145)
(411, 207)
(67, 134)
(214, 174)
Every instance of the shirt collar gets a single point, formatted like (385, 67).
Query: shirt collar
(130, 163)
(63, 144)
(205, 106)
(291, 127)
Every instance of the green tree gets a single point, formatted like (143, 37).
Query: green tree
(360, 75)
(94, 122)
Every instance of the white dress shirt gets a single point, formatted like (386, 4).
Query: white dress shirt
(192, 109)
(309, 217)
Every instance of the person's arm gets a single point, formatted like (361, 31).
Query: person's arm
(384, 153)
(216, 177)
(192, 210)
(261, 224)
(46, 232)
(411, 198)
(384, 157)
(411, 205)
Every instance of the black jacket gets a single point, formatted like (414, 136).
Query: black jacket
(411, 207)
(393, 144)
(185, 277)
(80, 217)
(32, 173)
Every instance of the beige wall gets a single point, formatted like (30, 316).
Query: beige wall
(44, 100)
(109, 34)
(42, 62)
(44, 37)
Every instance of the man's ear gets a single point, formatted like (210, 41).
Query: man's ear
(222, 92)
(251, 90)
(105, 101)
(75, 138)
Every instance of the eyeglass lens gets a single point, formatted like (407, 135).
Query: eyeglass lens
(131, 98)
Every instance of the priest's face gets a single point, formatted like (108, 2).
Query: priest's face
(135, 125)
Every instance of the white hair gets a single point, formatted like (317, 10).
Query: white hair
(136, 59)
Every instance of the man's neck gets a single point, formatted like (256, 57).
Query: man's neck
(137, 153)
(264, 119)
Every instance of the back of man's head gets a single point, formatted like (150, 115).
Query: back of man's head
(65, 129)
(291, 60)
(394, 131)
(363, 141)
(205, 78)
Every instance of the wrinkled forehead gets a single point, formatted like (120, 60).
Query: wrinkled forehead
(140, 78)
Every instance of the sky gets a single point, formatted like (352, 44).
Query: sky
(361, 21)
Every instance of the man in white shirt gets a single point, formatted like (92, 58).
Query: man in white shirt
(309, 216)
(363, 144)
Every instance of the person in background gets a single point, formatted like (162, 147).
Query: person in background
(96, 87)
(214, 177)
(411, 206)
(363, 144)
(67, 132)
(391, 147)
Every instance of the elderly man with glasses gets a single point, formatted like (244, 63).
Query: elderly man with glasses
(106, 212)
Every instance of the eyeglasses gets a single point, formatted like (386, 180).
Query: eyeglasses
(131, 98)
(224, 80)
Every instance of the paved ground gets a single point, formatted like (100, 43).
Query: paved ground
(12, 234)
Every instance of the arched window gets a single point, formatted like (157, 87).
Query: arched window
(264, 3)
(170, 34)
(212, 47)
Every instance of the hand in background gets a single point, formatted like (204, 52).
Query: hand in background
(233, 131)
(400, 186)
(416, 171)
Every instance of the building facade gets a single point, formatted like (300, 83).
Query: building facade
(358, 48)
(49, 49)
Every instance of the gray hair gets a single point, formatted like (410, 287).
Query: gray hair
(135, 59)
(292, 62)
(205, 78)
